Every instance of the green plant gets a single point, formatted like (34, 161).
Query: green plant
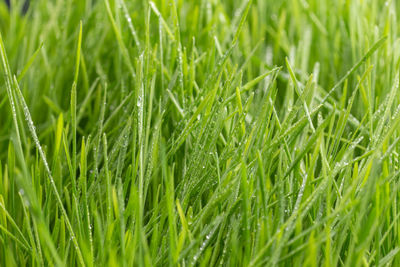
(254, 133)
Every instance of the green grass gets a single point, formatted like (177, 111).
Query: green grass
(200, 133)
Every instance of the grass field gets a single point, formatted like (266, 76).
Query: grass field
(200, 133)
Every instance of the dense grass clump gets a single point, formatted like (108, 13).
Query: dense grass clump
(200, 133)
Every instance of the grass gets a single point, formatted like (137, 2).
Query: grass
(200, 133)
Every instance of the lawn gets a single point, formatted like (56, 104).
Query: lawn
(200, 133)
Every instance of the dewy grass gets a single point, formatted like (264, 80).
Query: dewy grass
(199, 133)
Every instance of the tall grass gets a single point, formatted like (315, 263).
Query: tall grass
(199, 133)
